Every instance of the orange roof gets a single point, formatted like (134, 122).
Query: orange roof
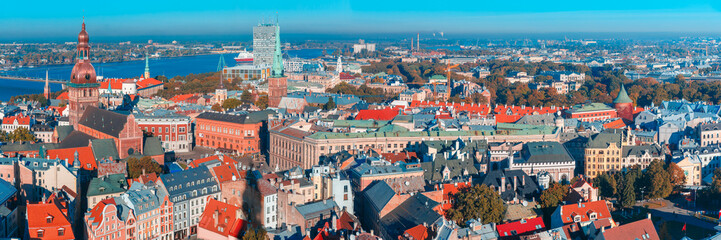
(377, 114)
(85, 155)
(521, 226)
(584, 210)
(523, 110)
(345, 221)
(181, 98)
(419, 232)
(148, 82)
(197, 162)
(641, 229)
(22, 120)
(96, 214)
(401, 156)
(115, 83)
(48, 218)
(471, 108)
(148, 177)
(449, 189)
(226, 173)
(222, 218)
(63, 96)
(618, 123)
(504, 118)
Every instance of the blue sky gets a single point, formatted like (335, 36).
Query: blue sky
(49, 19)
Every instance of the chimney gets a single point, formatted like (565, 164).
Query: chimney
(216, 215)
(603, 229)
(515, 183)
(334, 223)
(648, 215)
(503, 184)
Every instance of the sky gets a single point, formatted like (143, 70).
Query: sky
(119, 18)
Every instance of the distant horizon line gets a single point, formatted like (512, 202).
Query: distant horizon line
(294, 36)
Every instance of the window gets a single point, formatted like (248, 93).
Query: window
(61, 232)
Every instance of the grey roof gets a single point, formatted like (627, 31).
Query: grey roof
(539, 119)
(379, 194)
(7, 191)
(545, 152)
(414, 211)
(18, 147)
(494, 178)
(76, 139)
(152, 147)
(107, 185)
(63, 131)
(141, 200)
(601, 140)
(654, 149)
(250, 118)
(315, 209)
(104, 149)
(188, 181)
(105, 121)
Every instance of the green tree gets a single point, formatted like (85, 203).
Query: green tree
(137, 166)
(216, 107)
(246, 97)
(22, 134)
(255, 234)
(657, 181)
(231, 103)
(606, 185)
(676, 173)
(262, 102)
(553, 195)
(628, 187)
(479, 201)
(329, 105)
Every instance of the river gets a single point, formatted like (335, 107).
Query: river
(169, 67)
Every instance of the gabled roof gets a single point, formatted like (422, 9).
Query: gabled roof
(419, 232)
(315, 209)
(22, 120)
(641, 229)
(379, 114)
(105, 121)
(7, 191)
(38, 216)
(105, 185)
(583, 210)
(379, 194)
(415, 210)
(226, 173)
(520, 227)
(85, 156)
(104, 149)
(76, 139)
(226, 217)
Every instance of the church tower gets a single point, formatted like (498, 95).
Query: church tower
(624, 106)
(46, 93)
(83, 86)
(146, 75)
(339, 66)
(277, 83)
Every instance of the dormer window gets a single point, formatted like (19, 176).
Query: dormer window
(61, 231)
(577, 218)
(41, 233)
(49, 219)
(592, 216)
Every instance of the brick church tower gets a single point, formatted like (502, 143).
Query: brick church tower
(277, 83)
(83, 86)
(624, 106)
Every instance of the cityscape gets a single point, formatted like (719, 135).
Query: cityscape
(284, 125)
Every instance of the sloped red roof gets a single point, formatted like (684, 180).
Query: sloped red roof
(377, 114)
(85, 155)
(449, 189)
(96, 214)
(615, 124)
(346, 76)
(521, 226)
(148, 177)
(419, 232)
(400, 156)
(504, 118)
(22, 120)
(641, 229)
(345, 221)
(181, 98)
(583, 210)
(115, 83)
(197, 162)
(147, 82)
(228, 222)
(38, 216)
(523, 110)
(471, 108)
(63, 96)
(226, 173)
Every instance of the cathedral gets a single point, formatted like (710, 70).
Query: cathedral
(83, 86)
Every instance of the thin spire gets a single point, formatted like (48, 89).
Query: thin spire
(147, 67)
(278, 55)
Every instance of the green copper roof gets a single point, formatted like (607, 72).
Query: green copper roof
(277, 56)
(622, 96)
(147, 65)
(396, 131)
(437, 76)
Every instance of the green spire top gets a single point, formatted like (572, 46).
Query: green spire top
(146, 74)
(277, 56)
(622, 96)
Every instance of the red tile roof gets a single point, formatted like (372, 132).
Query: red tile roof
(584, 210)
(377, 114)
(197, 162)
(48, 218)
(63, 96)
(181, 98)
(346, 76)
(226, 173)
(345, 221)
(471, 108)
(400, 156)
(22, 120)
(449, 189)
(222, 218)
(419, 232)
(85, 155)
(505, 118)
(148, 177)
(96, 214)
(520, 227)
(617, 123)
(641, 229)
(115, 83)
(523, 110)
(147, 82)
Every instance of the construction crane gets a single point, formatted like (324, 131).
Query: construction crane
(448, 78)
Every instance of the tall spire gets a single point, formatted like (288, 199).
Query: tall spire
(47, 86)
(147, 67)
(339, 66)
(277, 56)
(221, 66)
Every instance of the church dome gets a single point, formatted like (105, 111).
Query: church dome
(83, 72)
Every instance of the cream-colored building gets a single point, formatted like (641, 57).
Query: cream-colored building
(610, 152)
(691, 167)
